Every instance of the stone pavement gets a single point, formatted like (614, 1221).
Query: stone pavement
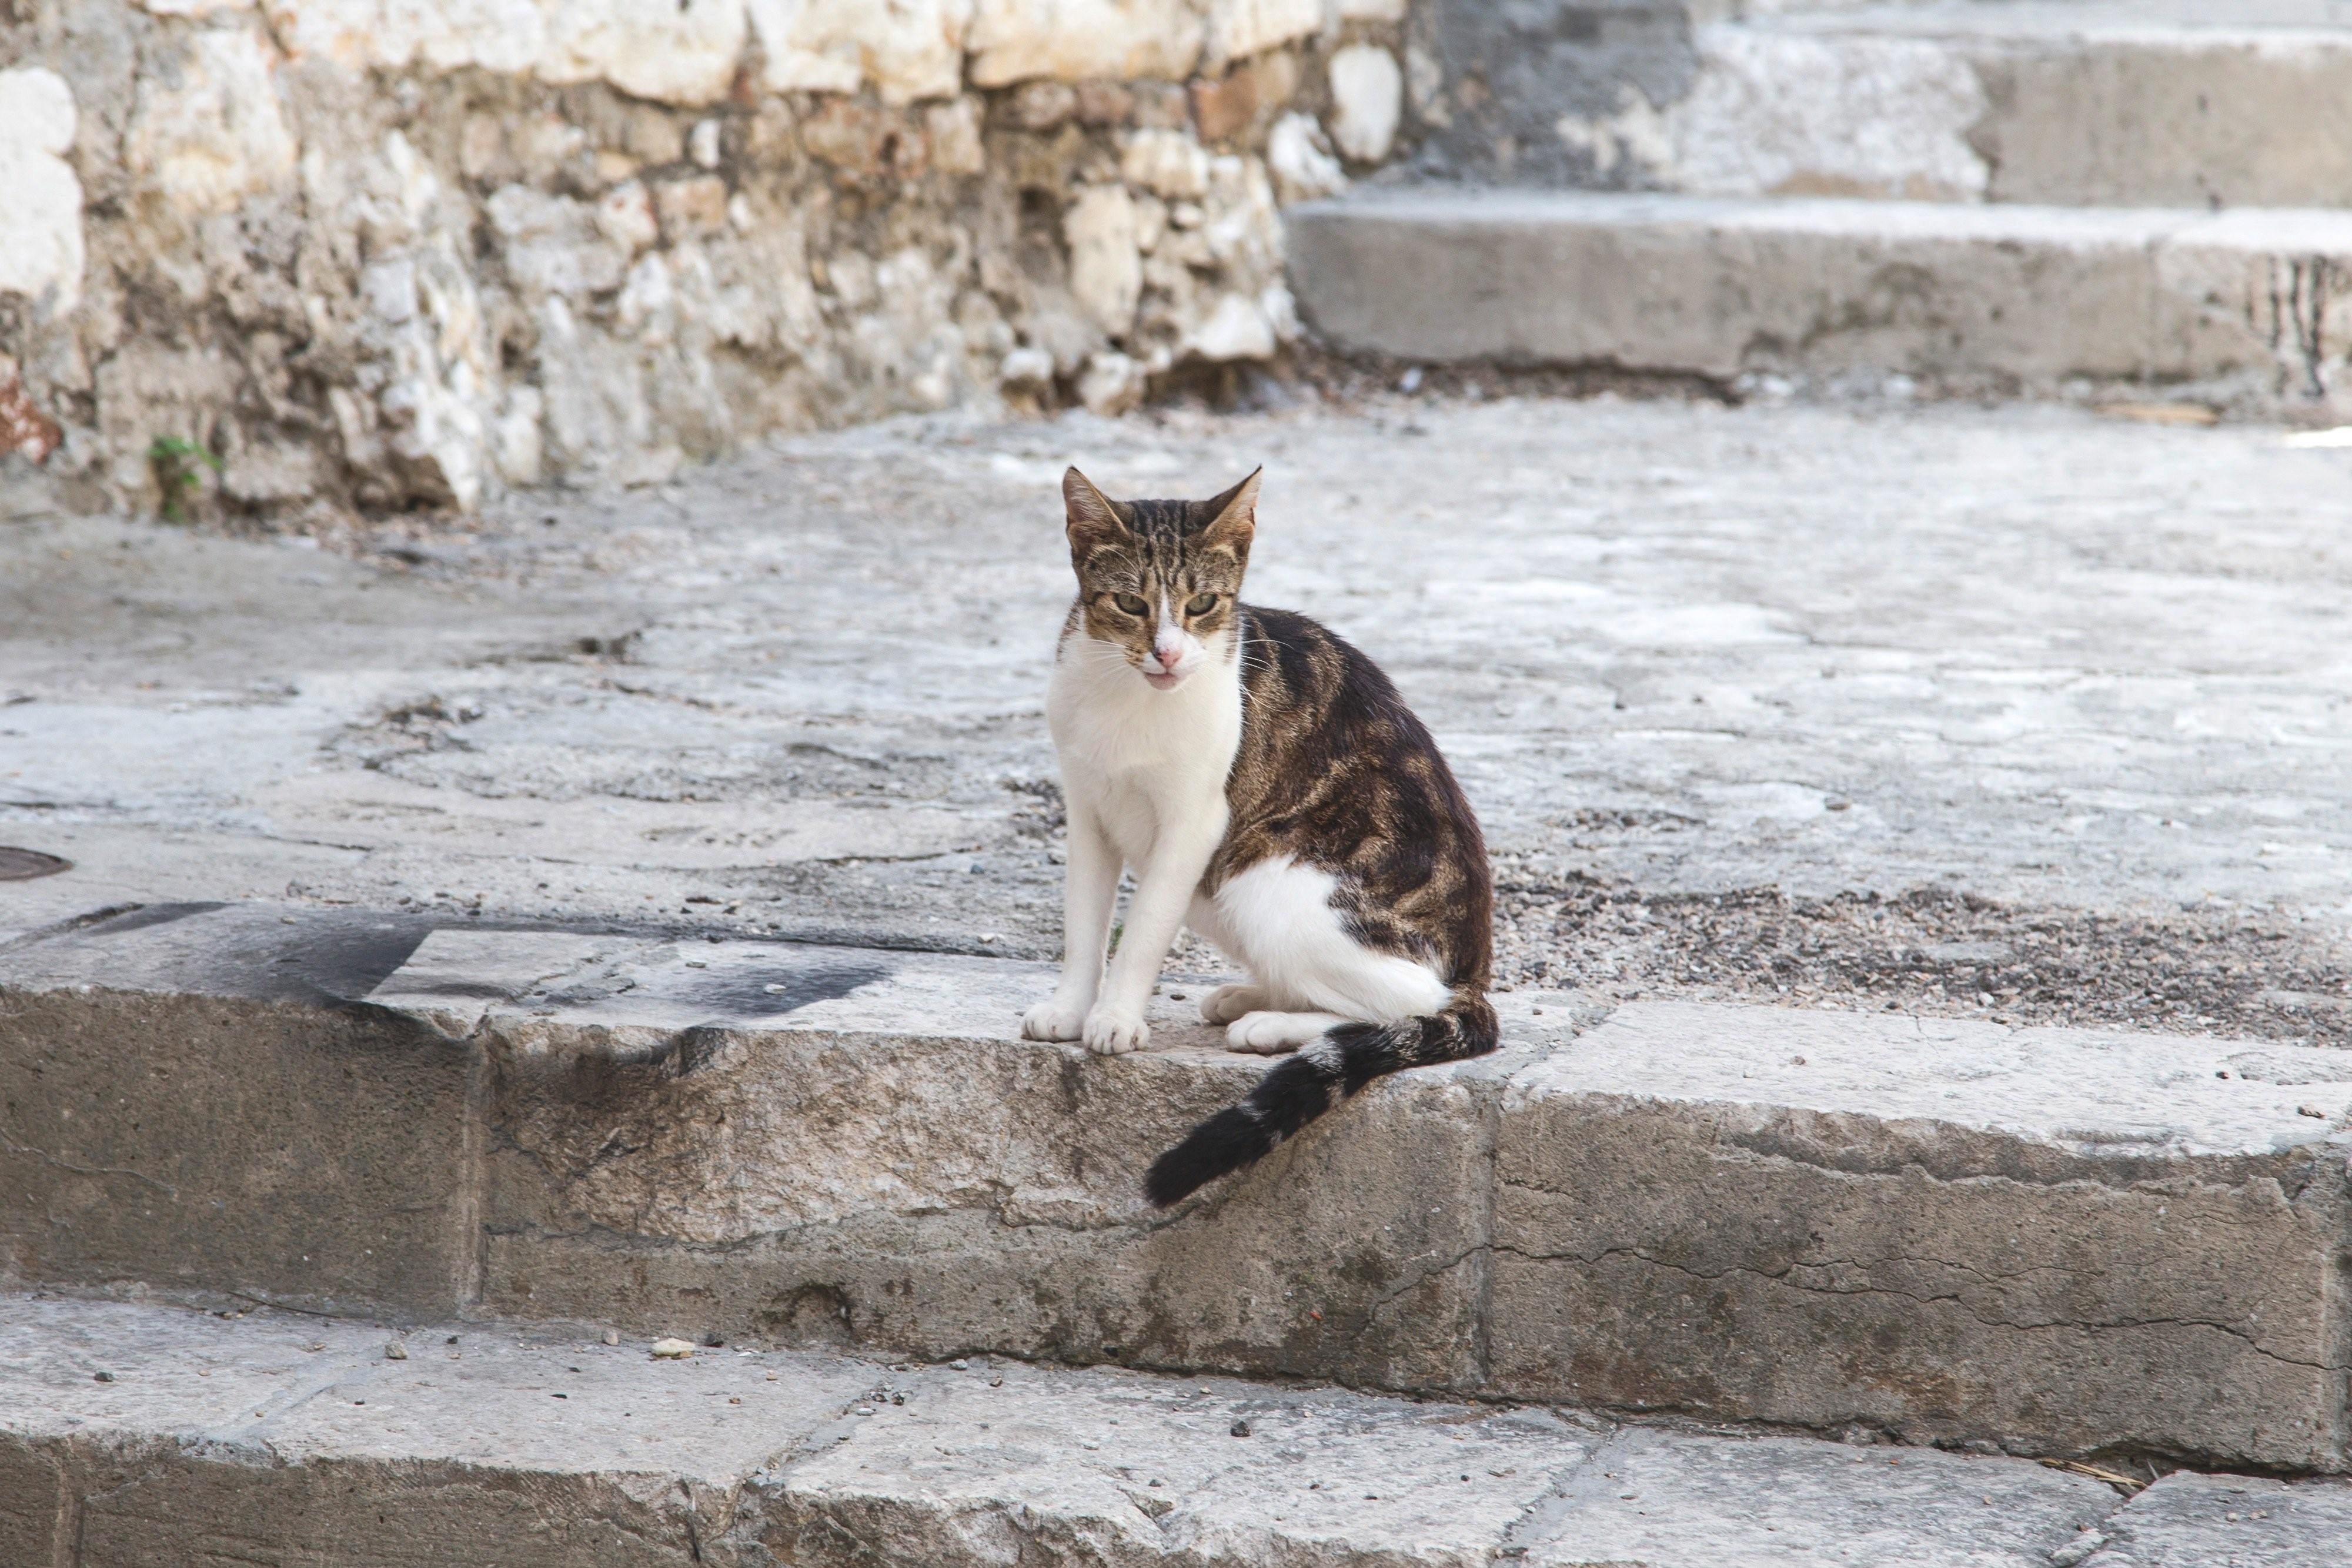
(2021, 713)
(146, 1435)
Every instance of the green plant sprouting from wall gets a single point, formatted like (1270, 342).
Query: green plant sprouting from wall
(179, 470)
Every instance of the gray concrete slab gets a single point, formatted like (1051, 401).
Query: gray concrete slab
(1749, 700)
(2188, 1521)
(1679, 1501)
(1966, 298)
(1999, 1216)
(2074, 101)
(461, 1452)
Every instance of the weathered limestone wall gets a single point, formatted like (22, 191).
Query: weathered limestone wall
(386, 253)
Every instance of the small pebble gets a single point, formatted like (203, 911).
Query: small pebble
(713, 1341)
(672, 1350)
(103, 1376)
(865, 1409)
(395, 1351)
(2312, 1111)
(1241, 1429)
(611, 1336)
(773, 991)
(737, 1400)
(997, 1383)
(961, 1365)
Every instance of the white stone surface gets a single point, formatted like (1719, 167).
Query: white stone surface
(1079, 40)
(909, 49)
(1778, 115)
(41, 242)
(1111, 383)
(1367, 100)
(1168, 162)
(215, 132)
(1236, 328)
(1240, 29)
(1302, 166)
(1106, 268)
(662, 49)
(2097, 1096)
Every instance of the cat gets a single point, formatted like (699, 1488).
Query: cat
(1267, 786)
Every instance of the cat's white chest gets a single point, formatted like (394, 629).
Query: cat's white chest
(1139, 760)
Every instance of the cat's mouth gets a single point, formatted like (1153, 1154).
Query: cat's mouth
(1167, 682)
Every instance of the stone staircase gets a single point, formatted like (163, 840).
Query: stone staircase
(1629, 1276)
(2095, 201)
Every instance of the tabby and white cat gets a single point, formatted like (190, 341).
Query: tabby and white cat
(1268, 788)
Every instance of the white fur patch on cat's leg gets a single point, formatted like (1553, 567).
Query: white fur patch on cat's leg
(1090, 888)
(1227, 1003)
(1270, 1034)
(1163, 889)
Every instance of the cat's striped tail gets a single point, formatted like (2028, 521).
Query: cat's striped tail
(1302, 1087)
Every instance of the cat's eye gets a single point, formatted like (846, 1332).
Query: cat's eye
(1200, 604)
(1130, 604)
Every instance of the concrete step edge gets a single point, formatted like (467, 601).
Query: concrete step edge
(2233, 307)
(155, 1434)
(1940, 1229)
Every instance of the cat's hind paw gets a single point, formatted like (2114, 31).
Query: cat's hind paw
(1227, 1003)
(1271, 1034)
(1114, 1033)
(1053, 1020)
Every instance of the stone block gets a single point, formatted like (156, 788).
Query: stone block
(188, 1104)
(2188, 1521)
(545, 1448)
(1672, 1499)
(883, 1163)
(1940, 1230)
(1986, 297)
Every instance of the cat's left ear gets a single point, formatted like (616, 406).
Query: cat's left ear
(1094, 519)
(1233, 517)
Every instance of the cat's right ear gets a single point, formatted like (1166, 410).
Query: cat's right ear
(1094, 519)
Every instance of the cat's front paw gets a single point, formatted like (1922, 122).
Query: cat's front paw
(1110, 1032)
(1053, 1020)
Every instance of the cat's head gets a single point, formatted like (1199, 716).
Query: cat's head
(1159, 579)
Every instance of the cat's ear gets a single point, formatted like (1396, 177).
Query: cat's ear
(1094, 519)
(1233, 517)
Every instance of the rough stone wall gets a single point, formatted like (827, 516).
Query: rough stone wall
(401, 253)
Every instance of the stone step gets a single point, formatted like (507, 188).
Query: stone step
(1936, 1230)
(2099, 102)
(146, 1435)
(2237, 308)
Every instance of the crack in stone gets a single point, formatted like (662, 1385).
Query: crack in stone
(13, 1146)
(1781, 1278)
